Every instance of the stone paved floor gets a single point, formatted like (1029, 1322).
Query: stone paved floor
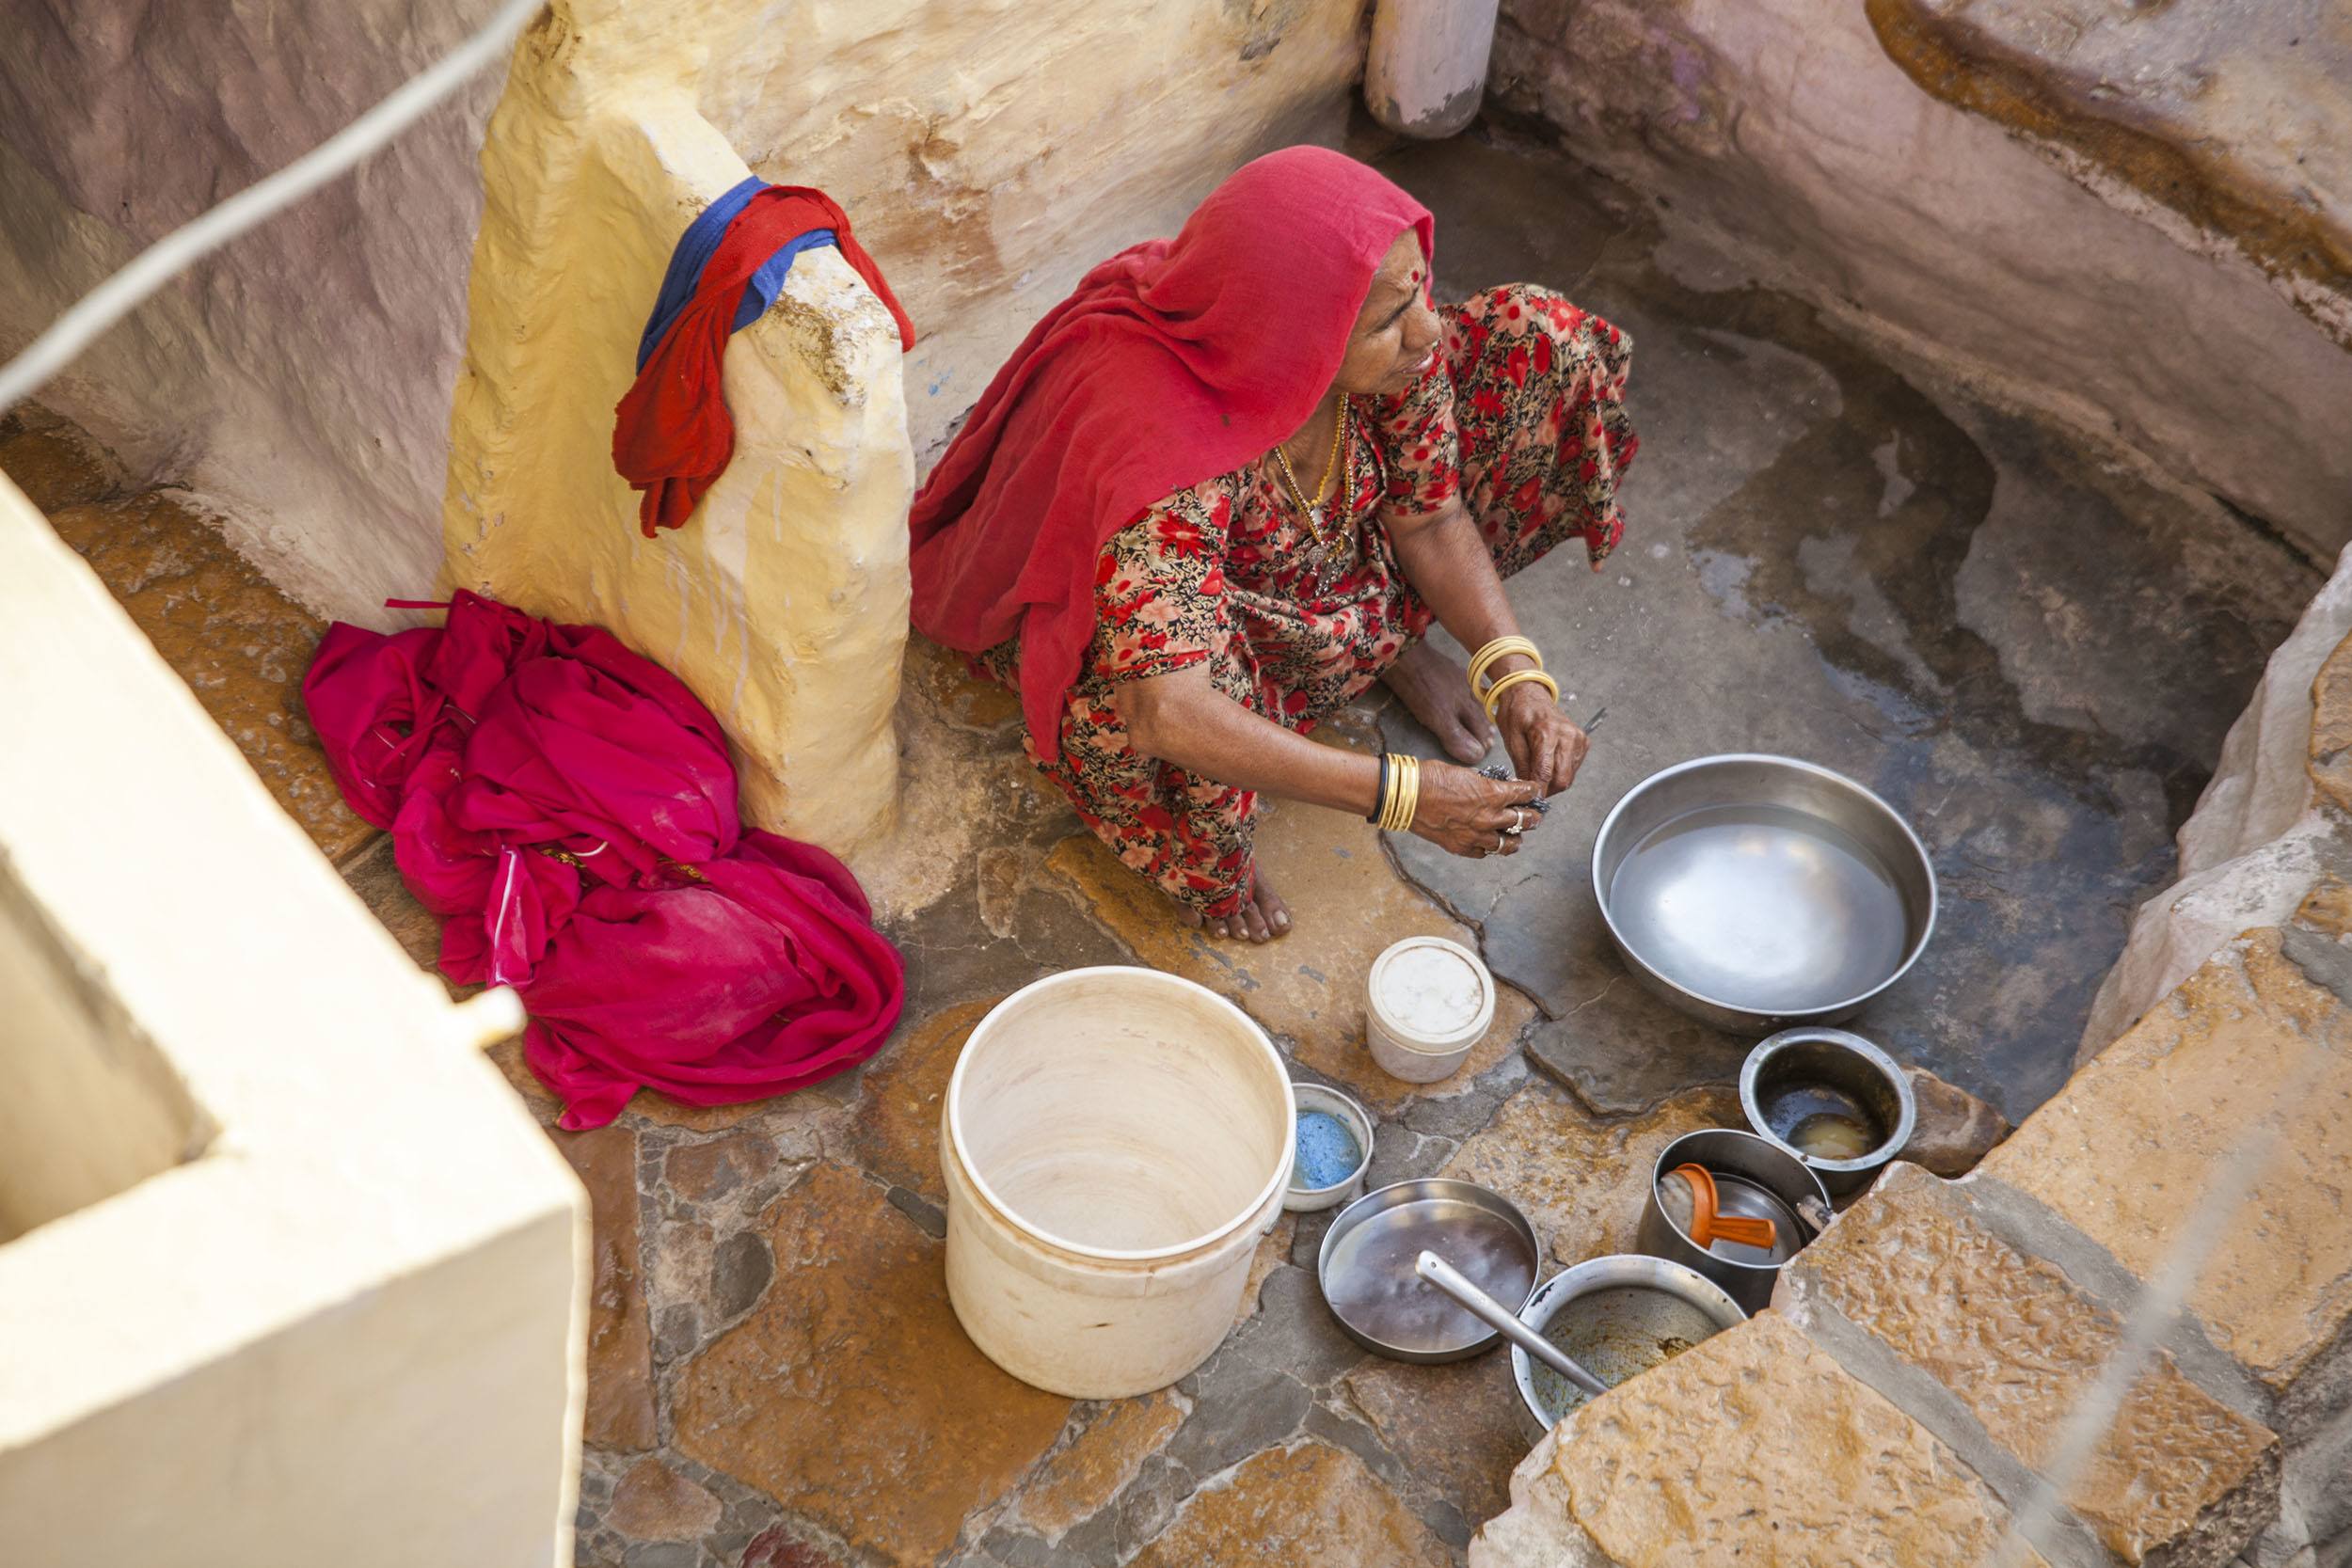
(2030, 651)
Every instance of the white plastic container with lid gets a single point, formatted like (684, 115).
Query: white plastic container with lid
(1426, 1003)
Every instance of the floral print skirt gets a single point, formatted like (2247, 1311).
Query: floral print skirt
(1538, 401)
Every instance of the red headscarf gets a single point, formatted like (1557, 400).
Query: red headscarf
(1172, 362)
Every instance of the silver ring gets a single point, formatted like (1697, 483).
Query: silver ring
(1502, 842)
(1518, 822)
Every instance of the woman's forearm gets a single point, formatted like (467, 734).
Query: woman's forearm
(1181, 718)
(1449, 566)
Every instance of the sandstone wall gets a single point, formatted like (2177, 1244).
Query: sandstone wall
(2014, 260)
(2270, 828)
(992, 150)
(298, 380)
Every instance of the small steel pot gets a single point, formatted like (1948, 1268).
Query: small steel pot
(1753, 1175)
(1636, 1303)
(1798, 1073)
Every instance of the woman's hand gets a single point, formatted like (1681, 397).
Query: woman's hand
(1546, 747)
(1468, 814)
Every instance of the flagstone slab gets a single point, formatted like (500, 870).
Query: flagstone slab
(52, 461)
(895, 1134)
(1456, 1425)
(620, 1341)
(1582, 1179)
(1289, 1506)
(2123, 1154)
(1076, 1483)
(2179, 1478)
(702, 1172)
(654, 1502)
(850, 1394)
(1751, 1448)
(241, 645)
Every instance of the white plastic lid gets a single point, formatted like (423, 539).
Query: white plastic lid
(1429, 990)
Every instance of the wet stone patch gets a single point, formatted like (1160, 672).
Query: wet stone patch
(2030, 652)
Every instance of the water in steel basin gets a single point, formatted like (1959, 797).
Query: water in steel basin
(1760, 907)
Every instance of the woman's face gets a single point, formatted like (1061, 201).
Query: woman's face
(1396, 331)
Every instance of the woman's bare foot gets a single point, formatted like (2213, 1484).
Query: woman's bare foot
(1437, 689)
(1262, 916)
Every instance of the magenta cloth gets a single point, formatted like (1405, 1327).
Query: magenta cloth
(1173, 361)
(569, 807)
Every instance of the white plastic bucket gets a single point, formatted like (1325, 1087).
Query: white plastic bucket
(1427, 1002)
(1114, 1142)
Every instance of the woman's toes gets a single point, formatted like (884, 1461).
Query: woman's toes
(1255, 918)
(1277, 915)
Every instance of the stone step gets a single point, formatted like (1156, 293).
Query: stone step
(2252, 1053)
(1754, 1447)
(241, 645)
(1917, 1290)
(1930, 1348)
(2124, 1153)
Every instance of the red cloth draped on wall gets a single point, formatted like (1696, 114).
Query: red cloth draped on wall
(569, 807)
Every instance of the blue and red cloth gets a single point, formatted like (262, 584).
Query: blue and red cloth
(671, 434)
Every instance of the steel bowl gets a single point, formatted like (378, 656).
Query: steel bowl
(1366, 1270)
(1757, 892)
(1620, 1316)
(1802, 1073)
(1754, 1178)
(1314, 1097)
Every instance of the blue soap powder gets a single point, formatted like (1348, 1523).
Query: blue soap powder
(1327, 1151)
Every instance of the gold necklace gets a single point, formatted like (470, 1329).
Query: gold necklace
(1312, 510)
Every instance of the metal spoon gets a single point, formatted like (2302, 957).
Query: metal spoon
(1446, 1277)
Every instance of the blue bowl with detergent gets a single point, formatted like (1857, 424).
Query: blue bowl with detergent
(1334, 1149)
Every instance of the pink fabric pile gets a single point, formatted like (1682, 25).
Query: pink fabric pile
(569, 807)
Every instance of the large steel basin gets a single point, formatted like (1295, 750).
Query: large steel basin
(1757, 893)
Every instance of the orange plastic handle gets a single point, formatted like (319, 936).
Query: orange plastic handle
(1707, 1224)
(1756, 1231)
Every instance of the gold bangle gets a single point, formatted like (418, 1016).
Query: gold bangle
(1520, 678)
(1502, 647)
(1405, 774)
